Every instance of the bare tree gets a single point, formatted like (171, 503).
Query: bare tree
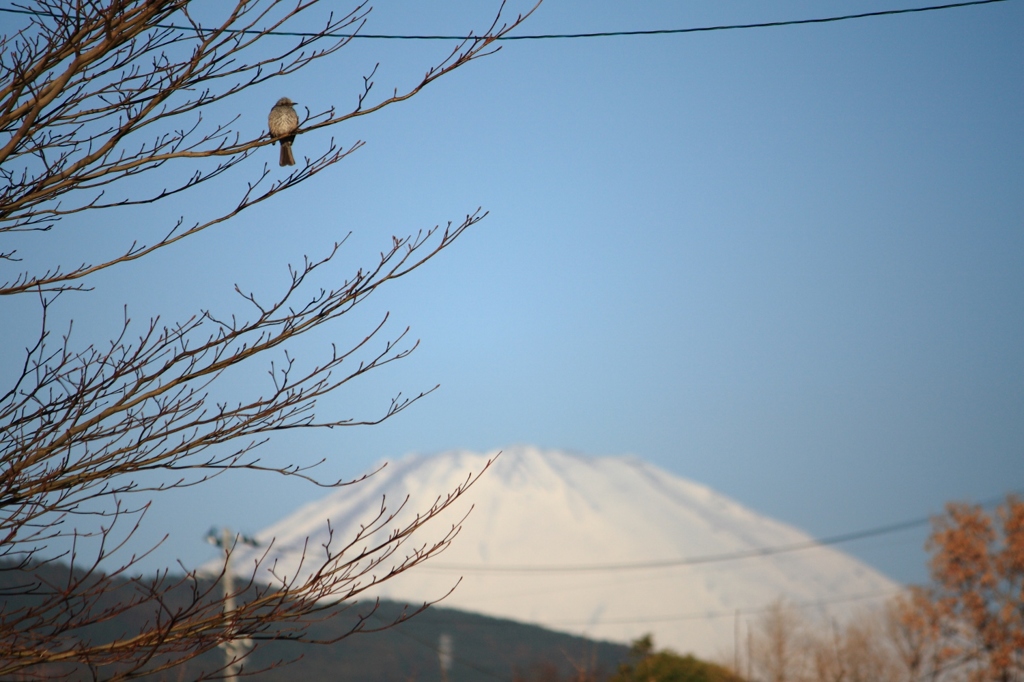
(779, 645)
(966, 626)
(856, 650)
(93, 94)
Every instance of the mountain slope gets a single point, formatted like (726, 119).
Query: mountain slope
(555, 539)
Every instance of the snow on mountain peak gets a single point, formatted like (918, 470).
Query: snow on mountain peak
(580, 544)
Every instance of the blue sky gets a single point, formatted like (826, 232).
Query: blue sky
(787, 263)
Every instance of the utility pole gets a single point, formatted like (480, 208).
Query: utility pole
(234, 649)
(445, 655)
(736, 643)
(750, 651)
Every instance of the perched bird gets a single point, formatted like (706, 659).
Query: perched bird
(283, 121)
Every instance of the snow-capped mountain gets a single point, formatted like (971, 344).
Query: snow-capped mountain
(602, 547)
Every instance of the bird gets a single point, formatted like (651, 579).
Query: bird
(283, 121)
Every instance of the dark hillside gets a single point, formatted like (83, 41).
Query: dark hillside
(483, 648)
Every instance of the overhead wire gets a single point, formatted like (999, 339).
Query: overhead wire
(705, 559)
(713, 615)
(567, 36)
(688, 561)
(764, 24)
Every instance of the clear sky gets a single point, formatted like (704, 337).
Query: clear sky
(787, 263)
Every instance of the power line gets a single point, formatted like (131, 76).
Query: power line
(712, 615)
(566, 36)
(766, 24)
(706, 559)
(690, 561)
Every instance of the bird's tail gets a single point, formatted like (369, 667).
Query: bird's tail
(286, 154)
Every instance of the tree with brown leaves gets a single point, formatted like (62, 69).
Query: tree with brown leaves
(96, 96)
(971, 619)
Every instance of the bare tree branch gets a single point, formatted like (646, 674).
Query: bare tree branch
(94, 93)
